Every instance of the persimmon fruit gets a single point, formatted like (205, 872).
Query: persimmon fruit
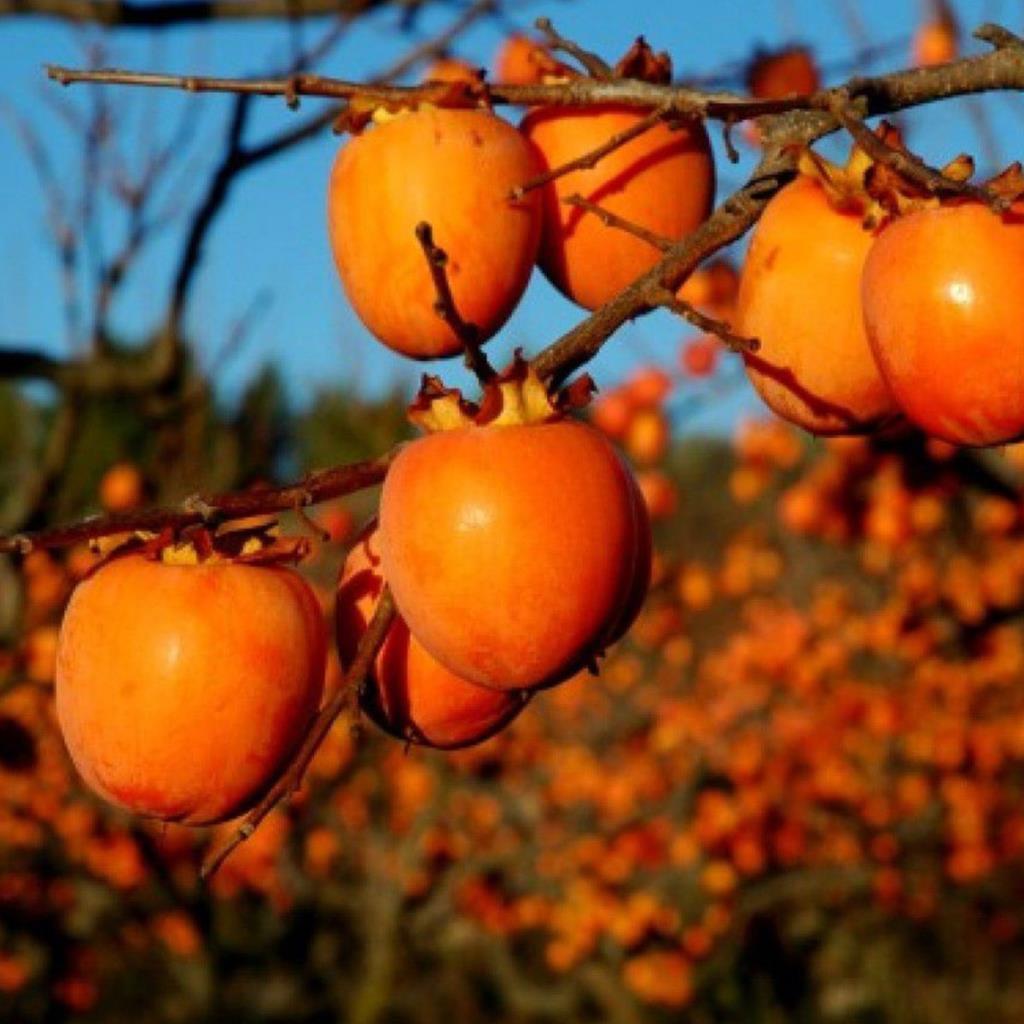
(935, 42)
(800, 297)
(182, 690)
(511, 550)
(699, 356)
(452, 69)
(122, 488)
(410, 694)
(453, 169)
(791, 71)
(949, 337)
(521, 61)
(663, 180)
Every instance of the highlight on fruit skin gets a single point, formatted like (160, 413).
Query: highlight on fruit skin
(511, 547)
(409, 693)
(453, 169)
(949, 338)
(183, 690)
(663, 180)
(800, 297)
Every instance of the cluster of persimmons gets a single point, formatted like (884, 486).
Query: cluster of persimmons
(513, 538)
(826, 694)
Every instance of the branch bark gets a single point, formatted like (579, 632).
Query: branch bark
(171, 13)
(291, 779)
(322, 485)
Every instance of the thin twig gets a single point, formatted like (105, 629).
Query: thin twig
(708, 324)
(291, 779)
(444, 305)
(322, 485)
(590, 159)
(613, 220)
(903, 161)
(590, 62)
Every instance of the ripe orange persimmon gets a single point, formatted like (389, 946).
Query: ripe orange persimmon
(935, 42)
(788, 72)
(699, 356)
(452, 69)
(411, 695)
(521, 61)
(453, 169)
(800, 296)
(122, 488)
(949, 337)
(183, 689)
(647, 437)
(511, 550)
(664, 180)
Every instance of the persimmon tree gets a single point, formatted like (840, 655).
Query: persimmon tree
(514, 544)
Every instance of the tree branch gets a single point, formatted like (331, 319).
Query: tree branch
(591, 159)
(467, 333)
(170, 13)
(316, 487)
(291, 779)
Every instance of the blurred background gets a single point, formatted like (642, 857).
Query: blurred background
(795, 790)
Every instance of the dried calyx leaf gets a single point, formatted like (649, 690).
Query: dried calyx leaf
(360, 111)
(875, 190)
(255, 540)
(516, 396)
(640, 62)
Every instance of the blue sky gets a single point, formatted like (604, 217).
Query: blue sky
(271, 240)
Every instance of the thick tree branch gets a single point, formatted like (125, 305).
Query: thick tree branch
(169, 13)
(348, 693)
(730, 221)
(322, 485)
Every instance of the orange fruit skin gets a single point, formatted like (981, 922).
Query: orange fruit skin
(510, 550)
(453, 169)
(182, 690)
(663, 180)
(451, 69)
(411, 695)
(941, 291)
(800, 296)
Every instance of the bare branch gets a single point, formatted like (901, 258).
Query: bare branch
(731, 220)
(322, 485)
(444, 305)
(708, 324)
(905, 162)
(595, 66)
(592, 158)
(346, 696)
(613, 220)
(169, 13)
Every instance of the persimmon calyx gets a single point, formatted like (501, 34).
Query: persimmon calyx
(874, 190)
(361, 111)
(642, 64)
(255, 540)
(514, 397)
